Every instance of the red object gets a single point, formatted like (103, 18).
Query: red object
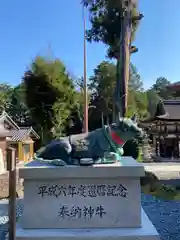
(116, 138)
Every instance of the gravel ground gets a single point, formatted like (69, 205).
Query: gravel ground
(4, 186)
(3, 228)
(165, 215)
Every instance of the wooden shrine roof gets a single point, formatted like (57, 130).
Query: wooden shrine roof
(171, 113)
(16, 133)
(172, 108)
(23, 133)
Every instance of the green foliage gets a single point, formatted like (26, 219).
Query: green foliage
(160, 87)
(149, 179)
(135, 82)
(5, 95)
(137, 103)
(49, 95)
(151, 185)
(155, 106)
(137, 99)
(102, 84)
(17, 108)
(105, 18)
(79, 96)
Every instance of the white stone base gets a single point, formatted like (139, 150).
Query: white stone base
(146, 232)
(98, 196)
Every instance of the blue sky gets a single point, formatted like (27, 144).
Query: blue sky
(32, 27)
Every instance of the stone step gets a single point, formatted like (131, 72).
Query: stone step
(146, 232)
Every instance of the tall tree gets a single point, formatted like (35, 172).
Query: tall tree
(107, 27)
(5, 95)
(102, 84)
(76, 115)
(49, 95)
(79, 104)
(17, 107)
(135, 81)
(137, 103)
(105, 18)
(161, 88)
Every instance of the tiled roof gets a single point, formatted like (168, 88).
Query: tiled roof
(16, 134)
(19, 135)
(172, 107)
(22, 134)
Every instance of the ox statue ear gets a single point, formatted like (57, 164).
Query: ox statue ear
(134, 118)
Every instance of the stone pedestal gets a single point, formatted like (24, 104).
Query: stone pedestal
(145, 232)
(99, 201)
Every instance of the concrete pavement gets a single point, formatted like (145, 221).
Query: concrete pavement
(164, 171)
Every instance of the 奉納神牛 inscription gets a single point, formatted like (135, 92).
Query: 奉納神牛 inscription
(81, 212)
(82, 190)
